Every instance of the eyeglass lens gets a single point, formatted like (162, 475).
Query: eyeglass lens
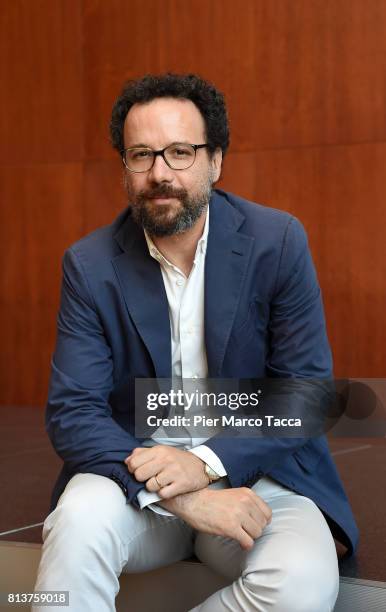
(178, 156)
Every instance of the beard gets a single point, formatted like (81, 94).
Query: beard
(168, 219)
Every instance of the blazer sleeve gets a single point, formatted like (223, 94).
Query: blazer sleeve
(298, 350)
(78, 416)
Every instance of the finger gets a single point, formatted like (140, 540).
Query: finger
(244, 539)
(166, 490)
(143, 455)
(254, 525)
(259, 516)
(139, 456)
(152, 485)
(133, 462)
(147, 470)
(252, 528)
(171, 490)
(137, 451)
(264, 508)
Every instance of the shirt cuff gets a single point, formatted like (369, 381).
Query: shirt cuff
(208, 456)
(147, 499)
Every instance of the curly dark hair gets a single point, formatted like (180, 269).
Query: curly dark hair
(209, 100)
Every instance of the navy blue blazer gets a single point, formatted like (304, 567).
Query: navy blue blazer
(263, 318)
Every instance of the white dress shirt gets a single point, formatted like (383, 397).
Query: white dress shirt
(185, 297)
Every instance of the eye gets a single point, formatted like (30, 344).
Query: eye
(138, 154)
(180, 151)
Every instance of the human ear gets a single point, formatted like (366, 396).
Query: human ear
(216, 164)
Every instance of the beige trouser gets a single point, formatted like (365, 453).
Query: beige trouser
(93, 536)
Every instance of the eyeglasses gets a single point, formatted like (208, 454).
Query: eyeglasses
(178, 156)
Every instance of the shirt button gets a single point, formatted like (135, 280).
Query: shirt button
(179, 282)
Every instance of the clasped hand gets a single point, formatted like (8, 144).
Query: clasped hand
(168, 471)
(179, 479)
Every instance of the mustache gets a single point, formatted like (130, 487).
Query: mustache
(161, 191)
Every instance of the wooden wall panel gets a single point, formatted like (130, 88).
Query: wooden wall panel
(41, 78)
(41, 219)
(306, 90)
(296, 72)
(104, 194)
(338, 193)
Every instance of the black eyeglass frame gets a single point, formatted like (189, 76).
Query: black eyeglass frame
(162, 153)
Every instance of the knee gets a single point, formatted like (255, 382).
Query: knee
(87, 508)
(306, 590)
(300, 585)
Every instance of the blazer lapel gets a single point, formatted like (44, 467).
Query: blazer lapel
(144, 293)
(227, 257)
(226, 264)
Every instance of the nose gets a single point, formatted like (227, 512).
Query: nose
(160, 172)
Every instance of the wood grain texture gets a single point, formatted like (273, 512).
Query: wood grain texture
(104, 194)
(43, 216)
(338, 193)
(41, 75)
(305, 82)
(295, 72)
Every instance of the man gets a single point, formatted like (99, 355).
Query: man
(188, 282)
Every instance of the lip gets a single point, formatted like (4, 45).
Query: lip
(160, 200)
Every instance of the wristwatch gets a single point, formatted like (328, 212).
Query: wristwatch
(212, 475)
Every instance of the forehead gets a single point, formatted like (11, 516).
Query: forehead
(162, 121)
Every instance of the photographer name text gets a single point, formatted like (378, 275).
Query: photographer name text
(223, 421)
